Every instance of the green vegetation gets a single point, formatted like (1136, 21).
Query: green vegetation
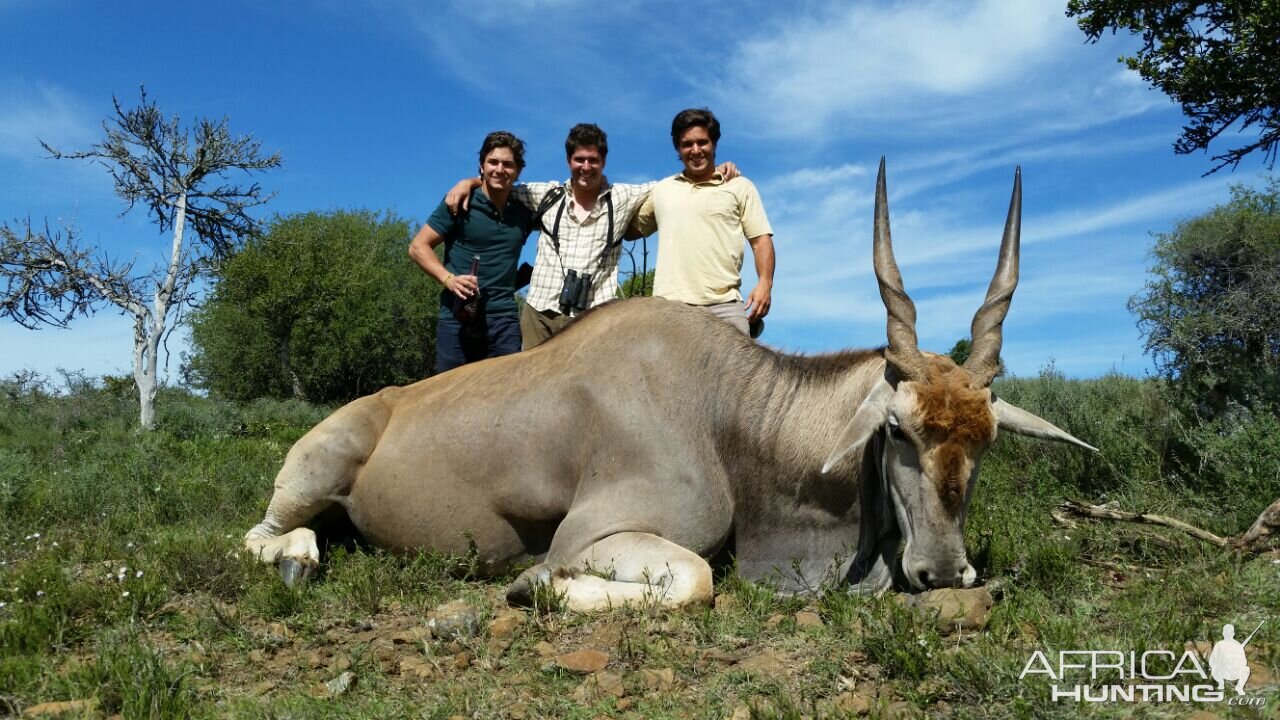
(122, 581)
(1210, 311)
(324, 307)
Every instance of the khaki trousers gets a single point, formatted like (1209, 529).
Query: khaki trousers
(537, 326)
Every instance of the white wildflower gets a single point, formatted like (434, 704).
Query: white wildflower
(39, 593)
(138, 574)
(124, 594)
(130, 544)
(2, 604)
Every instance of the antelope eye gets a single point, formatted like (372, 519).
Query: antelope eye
(895, 429)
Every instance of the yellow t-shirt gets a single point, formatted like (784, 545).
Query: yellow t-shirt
(702, 229)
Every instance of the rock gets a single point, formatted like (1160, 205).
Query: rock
(583, 661)
(605, 637)
(387, 654)
(496, 647)
(661, 680)
(58, 709)
(742, 712)
(902, 710)
(417, 668)
(609, 684)
(340, 664)
(718, 656)
(773, 621)
(506, 623)
(462, 660)
(279, 630)
(955, 609)
(257, 657)
(851, 703)
(412, 636)
(454, 620)
(1259, 676)
(764, 665)
(624, 704)
(317, 658)
(808, 618)
(341, 684)
(725, 602)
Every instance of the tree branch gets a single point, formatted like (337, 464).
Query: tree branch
(49, 280)
(1252, 540)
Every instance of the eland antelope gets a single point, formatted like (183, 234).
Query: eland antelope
(649, 434)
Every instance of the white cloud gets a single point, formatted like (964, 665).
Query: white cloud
(861, 69)
(42, 112)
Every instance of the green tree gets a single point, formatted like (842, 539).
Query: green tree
(637, 285)
(324, 306)
(1217, 59)
(180, 176)
(960, 351)
(1210, 313)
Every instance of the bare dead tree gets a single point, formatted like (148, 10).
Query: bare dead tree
(179, 176)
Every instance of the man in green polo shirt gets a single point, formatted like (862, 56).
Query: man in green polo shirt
(702, 221)
(491, 232)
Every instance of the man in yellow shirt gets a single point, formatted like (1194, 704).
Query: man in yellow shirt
(702, 220)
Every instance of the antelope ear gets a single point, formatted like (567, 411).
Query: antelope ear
(1016, 420)
(870, 416)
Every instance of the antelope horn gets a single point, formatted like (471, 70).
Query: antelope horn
(987, 329)
(902, 353)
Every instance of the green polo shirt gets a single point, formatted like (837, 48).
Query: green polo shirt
(496, 237)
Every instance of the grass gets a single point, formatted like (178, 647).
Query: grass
(122, 582)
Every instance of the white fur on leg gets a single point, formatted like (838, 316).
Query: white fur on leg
(640, 569)
(300, 545)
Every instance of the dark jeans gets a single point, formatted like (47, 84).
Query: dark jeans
(454, 347)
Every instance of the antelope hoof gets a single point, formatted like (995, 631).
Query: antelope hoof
(520, 592)
(295, 573)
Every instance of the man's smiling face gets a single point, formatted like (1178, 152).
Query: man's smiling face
(499, 169)
(698, 153)
(586, 169)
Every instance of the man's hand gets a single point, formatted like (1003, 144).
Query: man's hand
(728, 170)
(758, 301)
(464, 286)
(459, 196)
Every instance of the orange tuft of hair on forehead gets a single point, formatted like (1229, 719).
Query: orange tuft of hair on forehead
(953, 417)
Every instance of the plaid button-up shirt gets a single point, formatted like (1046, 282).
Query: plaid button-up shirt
(580, 242)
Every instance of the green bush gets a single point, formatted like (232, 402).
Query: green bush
(1210, 312)
(325, 307)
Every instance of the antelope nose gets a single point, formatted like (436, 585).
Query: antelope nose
(964, 577)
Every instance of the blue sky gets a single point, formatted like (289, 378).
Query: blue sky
(383, 105)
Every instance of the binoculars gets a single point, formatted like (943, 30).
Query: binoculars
(576, 293)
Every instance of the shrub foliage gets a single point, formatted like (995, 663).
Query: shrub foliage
(1210, 311)
(324, 307)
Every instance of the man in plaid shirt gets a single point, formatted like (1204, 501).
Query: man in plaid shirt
(582, 231)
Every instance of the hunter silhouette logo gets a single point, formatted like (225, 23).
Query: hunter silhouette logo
(1155, 675)
(1227, 661)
